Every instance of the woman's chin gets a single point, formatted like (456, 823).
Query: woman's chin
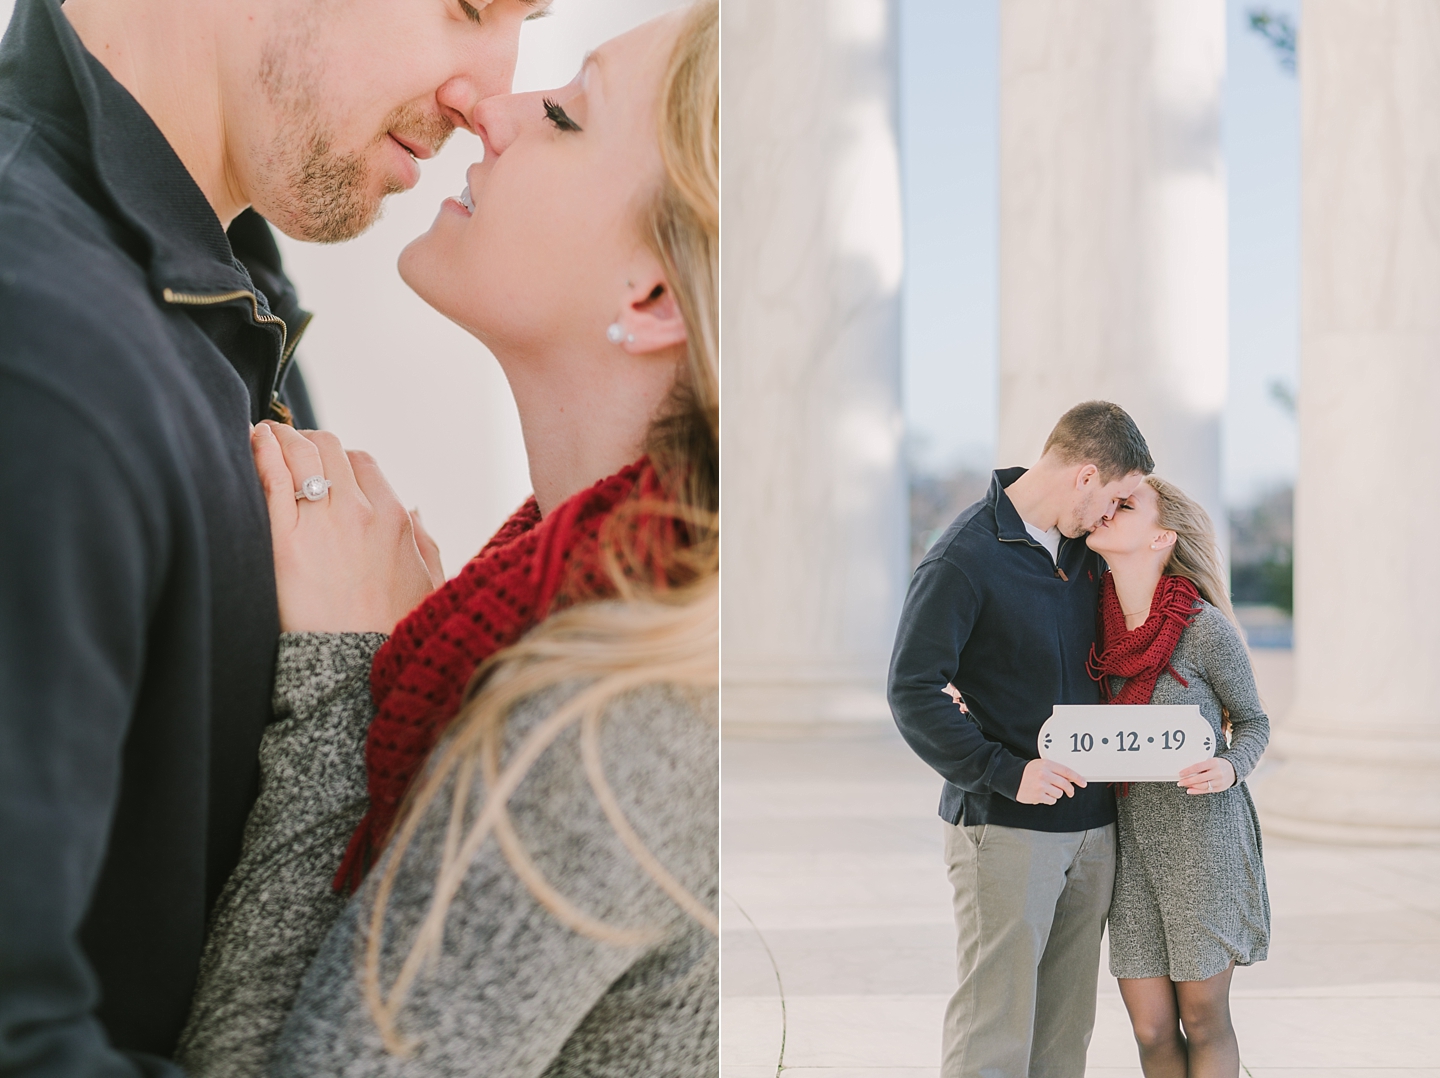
(422, 267)
(407, 262)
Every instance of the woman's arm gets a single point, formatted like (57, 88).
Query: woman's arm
(278, 904)
(1227, 667)
(513, 987)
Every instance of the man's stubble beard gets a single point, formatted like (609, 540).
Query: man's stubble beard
(1081, 524)
(307, 188)
(326, 196)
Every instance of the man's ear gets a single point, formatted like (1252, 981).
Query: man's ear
(1087, 474)
(650, 318)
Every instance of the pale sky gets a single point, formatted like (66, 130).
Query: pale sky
(949, 144)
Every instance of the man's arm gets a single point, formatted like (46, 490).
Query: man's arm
(79, 560)
(935, 623)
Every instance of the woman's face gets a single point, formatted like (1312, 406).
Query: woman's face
(1135, 527)
(548, 250)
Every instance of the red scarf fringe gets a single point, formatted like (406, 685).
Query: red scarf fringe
(530, 568)
(1142, 654)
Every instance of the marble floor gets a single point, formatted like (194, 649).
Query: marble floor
(837, 944)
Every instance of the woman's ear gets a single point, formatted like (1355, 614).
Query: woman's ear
(1164, 540)
(650, 319)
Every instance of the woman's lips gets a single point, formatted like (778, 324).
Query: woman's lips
(462, 202)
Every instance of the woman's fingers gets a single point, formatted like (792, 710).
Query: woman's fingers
(275, 477)
(334, 462)
(302, 456)
(429, 549)
(1209, 777)
(374, 485)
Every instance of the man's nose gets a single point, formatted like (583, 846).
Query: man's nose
(488, 71)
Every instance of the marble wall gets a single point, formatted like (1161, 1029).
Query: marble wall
(814, 504)
(1113, 225)
(1360, 747)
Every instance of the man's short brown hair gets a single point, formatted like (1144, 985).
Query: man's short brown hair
(1102, 434)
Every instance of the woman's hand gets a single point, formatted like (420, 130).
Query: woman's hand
(1209, 777)
(351, 562)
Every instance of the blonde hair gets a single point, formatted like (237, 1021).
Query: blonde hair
(668, 635)
(1196, 553)
(682, 226)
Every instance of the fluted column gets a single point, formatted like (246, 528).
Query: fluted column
(813, 490)
(1112, 225)
(1358, 753)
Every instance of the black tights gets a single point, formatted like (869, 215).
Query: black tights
(1183, 1027)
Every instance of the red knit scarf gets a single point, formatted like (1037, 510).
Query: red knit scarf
(1142, 654)
(527, 570)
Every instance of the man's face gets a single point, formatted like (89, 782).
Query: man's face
(344, 97)
(1096, 501)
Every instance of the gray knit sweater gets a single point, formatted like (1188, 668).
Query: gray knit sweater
(1190, 894)
(513, 992)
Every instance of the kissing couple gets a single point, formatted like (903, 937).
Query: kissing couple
(1085, 579)
(276, 796)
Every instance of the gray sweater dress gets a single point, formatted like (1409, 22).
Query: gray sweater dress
(1190, 892)
(513, 991)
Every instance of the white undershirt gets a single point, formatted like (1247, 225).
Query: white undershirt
(1049, 540)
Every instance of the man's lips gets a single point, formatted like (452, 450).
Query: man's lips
(418, 150)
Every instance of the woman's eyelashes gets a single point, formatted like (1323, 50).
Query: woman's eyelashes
(556, 115)
(471, 11)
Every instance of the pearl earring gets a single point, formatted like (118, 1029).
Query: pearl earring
(616, 333)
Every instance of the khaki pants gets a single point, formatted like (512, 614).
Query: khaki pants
(1030, 907)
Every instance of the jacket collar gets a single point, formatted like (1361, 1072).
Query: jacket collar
(46, 71)
(1008, 525)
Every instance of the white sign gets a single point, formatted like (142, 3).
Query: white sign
(1127, 743)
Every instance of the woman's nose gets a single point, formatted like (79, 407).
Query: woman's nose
(497, 121)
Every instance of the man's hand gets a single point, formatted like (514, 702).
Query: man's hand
(1045, 781)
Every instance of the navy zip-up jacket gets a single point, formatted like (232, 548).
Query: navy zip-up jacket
(138, 617)
(990, 612)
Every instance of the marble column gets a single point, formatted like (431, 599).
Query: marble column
(814, 563)
(1358, 752)
(1112, 225)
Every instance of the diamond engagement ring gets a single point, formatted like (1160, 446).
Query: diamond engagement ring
(314, 489)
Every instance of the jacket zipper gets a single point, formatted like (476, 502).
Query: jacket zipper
(278, 409)
(287, 346)
(1029, 542)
